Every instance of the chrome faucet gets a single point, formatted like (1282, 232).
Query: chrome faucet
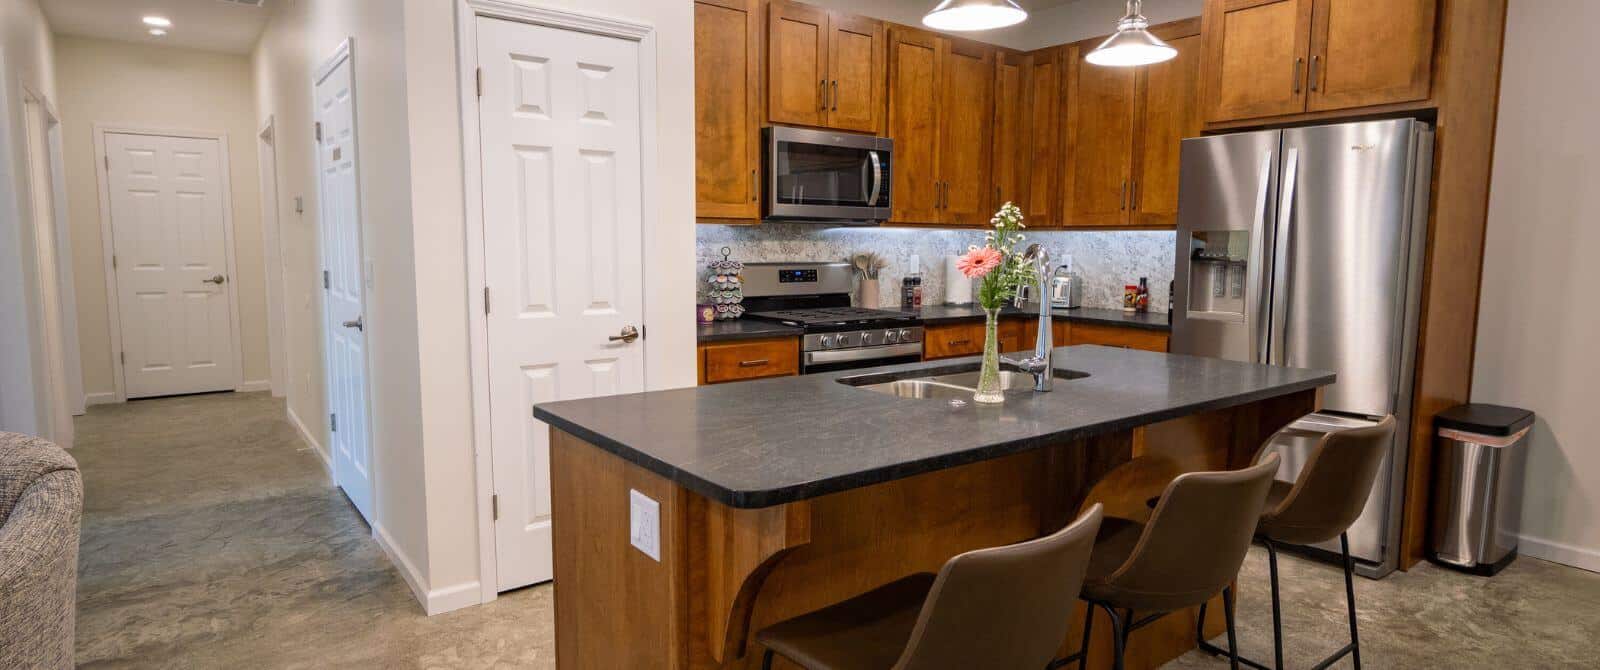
(1039, 364)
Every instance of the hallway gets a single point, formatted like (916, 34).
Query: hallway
(212, 537)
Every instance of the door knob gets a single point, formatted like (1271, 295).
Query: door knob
(356, 324)
(628, 334)
(218, 279)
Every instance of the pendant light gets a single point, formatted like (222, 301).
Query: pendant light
(974, 15)
(1132, 44)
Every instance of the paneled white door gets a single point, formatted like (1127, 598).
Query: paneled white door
(560, 139)
(170, 246)
(344, 295)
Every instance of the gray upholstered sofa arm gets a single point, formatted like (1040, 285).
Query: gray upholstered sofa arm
(41, 506)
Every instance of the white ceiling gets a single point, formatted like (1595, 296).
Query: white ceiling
(210, 25)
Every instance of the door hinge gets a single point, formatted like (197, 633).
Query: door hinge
(486, 301)
(318, 127)
(325, 279)
(494, 504)
(123, 356)
(108, 163)
(113, 261)
(478, 75)
(333, 422)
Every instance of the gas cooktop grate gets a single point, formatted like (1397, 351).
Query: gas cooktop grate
(832, 315)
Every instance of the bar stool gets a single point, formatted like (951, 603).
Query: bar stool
(1321, 504)
(990, 608)
(1190, 550)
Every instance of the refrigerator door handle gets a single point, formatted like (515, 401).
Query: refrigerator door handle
(1256, 280)
(1277, 343)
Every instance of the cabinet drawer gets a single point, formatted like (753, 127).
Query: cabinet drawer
(753, 359)
(1113, 336)
(952, 340)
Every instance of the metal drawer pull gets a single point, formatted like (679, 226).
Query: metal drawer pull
(952, 343)
(754, 364)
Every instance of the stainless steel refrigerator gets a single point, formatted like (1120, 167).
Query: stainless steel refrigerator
(1304, 247)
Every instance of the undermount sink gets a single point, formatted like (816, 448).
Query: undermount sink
(953, 382)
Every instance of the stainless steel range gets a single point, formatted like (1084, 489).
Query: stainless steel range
(816, 298)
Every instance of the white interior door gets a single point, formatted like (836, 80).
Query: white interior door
(560, 138)
(345, 339)
(170, 249)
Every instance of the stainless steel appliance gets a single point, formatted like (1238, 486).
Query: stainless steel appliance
(816, 298)
(1304, 247)
(826, 176)
(1066, 287)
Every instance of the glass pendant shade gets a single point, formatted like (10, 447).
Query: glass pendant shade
(1132, 45)
(974, 15)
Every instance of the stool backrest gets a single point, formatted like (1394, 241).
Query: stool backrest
(1004, 607)
(1197, 537)
(1333, 486)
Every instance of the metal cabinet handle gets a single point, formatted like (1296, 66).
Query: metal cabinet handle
(1122, 198)
(753, 189)
(356, 324)
(953, 343)
(628, 334)
(1311, 77)
(1298, 63)
(823, 87)
(217, 279)
(759, 362)
(1133, 195)
(835, 95)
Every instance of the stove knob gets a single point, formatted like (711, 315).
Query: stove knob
(826, 341)
(890, 336)
(905, 335)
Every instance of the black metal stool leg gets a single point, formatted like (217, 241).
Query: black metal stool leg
(766, 660)
(1354, 648)
(1233, 642)
(1088, 623)
(1277, 606)
(1118, 637)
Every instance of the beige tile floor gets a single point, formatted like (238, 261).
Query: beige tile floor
(213, 538)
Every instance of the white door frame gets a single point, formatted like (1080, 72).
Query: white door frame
(467, 11)
(108, 246)
(63, 397)
(272, 256)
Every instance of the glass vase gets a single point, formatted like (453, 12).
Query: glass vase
(989, 391)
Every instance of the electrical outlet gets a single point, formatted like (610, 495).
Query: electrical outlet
(644, 524)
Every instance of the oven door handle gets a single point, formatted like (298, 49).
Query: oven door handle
(862, 354)
(877, 178)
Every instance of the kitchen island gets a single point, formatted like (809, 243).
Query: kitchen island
(770, 498)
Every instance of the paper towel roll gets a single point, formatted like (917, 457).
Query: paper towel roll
(957, 287)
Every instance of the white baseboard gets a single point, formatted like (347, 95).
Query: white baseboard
(106, 398)
(433, 601)
(311, 441)
(1558, 552)
(453, 598)
(253, 386)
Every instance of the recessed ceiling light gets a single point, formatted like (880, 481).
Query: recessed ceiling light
(157, 32)
(157, 21)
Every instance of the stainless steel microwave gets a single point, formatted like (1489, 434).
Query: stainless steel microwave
(826, 176)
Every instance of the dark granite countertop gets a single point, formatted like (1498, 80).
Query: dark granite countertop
(743, 329)
(938, 314)
(772, 441)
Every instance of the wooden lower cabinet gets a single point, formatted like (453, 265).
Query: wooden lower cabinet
(1018, 333)
(720, 362)
(952, 340)
(1116, 336)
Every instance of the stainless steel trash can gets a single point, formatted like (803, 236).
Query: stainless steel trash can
(1479, 459)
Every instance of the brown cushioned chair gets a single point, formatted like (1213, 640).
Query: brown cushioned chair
(1322, 503)
(1190, 550)
(1005, 607)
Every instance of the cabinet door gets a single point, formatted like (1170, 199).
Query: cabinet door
(1116, 336)
(952, 340)
(1010, 157)
(966, 131)
(727, 78)
(1168, 112)
(797, 63)
(1099, 144)
(1043, 108)
(914, 61)
(1256, 53)
(1370, 52)
(855, 73)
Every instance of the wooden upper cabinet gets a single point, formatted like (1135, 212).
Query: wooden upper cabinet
(1010, 159)
(1097, 172)
(824, 69)
(1256, 53)
(797, 64)
(1370, 52)
(1042, 111)
(727, 77)
(1168, 111)
(855, 73)
(915, 61)
(965, 131)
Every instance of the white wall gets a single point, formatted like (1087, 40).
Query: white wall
(1537, 319)
(25, 61)
(139, 85)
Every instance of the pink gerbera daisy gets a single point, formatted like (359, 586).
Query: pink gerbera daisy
(978, 262)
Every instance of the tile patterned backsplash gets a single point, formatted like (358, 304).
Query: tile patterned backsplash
(1106, 260)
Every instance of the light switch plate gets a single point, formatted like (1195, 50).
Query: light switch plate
(644, 524)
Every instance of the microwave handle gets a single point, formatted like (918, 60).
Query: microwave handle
(877, 178)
